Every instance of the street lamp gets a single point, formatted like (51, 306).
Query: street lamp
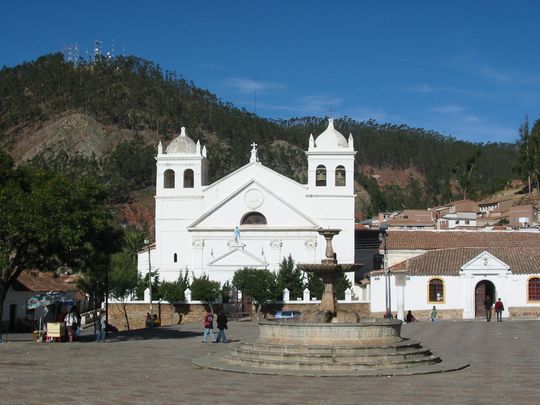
(382, 238)
(147, 242)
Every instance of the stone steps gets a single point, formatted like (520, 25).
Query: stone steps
(347, 350)
(329, 366)
(330, 357)
(259, 355)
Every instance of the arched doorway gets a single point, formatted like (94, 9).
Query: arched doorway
(482, 290)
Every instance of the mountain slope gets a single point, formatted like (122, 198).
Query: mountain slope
(101, 113)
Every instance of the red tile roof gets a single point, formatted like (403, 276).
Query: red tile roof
(42, 281)
(432, 239)
(525, 260)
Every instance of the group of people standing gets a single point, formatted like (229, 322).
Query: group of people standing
(499, 308)
(209, 327)
(488, 304)
(151, 321)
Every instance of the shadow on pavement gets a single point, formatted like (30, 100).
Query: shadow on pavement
(161, 332)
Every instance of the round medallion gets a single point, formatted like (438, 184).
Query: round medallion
(253, 198)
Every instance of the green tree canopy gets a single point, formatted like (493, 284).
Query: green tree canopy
(257, 283)
(50, 221)
(290, 277)
(204, 289)
(174, 291)
(123, 278)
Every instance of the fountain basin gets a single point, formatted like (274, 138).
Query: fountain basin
(331, 334)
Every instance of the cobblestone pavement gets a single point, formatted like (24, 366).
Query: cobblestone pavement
(154, 367)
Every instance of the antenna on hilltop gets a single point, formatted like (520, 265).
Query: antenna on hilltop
(112, 49)
(71, 53)
(97, 49)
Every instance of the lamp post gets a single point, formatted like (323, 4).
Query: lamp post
(107, 302)
(147, 241)
(382, 237)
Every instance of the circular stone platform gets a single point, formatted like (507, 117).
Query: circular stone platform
(369, 348)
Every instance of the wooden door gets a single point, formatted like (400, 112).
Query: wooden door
(480, 296)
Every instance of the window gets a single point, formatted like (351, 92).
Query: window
(340, 176)
(188, 178)
(168, 178)
(436, 290)
(534, 289)
(175, 258)
(320, 176)
(253, 218)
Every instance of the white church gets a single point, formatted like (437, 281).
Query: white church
(254, 216)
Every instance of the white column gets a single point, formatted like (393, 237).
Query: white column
(285, 295)
(469, 309)
(348, 295)
(306, 295)
(400, 295)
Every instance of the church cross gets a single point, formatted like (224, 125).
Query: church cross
(253, 146)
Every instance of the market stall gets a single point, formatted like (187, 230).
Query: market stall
(49, 305)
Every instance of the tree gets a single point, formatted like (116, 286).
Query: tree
(174, 292)
(204, 289)
(315, 286)
(290, 277)
(123, 278)
(50, 221)
(259, 284)
(525, 163)
(464, 173)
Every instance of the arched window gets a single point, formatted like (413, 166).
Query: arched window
(320, 176)
(253, 218)
(340, 176)
(175, 258)
(534, 289)
(188, 178)
(168, 178)
(436, 290)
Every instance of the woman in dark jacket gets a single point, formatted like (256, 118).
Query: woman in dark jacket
(222, 325)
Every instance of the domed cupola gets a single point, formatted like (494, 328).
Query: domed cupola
(181, 144)
(330, 139)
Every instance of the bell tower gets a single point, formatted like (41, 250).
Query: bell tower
(182, 169)
(331, 163)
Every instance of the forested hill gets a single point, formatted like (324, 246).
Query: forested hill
(98, 116)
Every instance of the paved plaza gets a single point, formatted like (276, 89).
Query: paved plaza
(154, 367)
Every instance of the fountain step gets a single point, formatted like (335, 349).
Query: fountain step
(335, 357)
(348, 350)
(329, 366)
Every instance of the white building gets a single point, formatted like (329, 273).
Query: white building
(456, 270)
(275, 216)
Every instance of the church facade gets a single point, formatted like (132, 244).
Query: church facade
(252, 217)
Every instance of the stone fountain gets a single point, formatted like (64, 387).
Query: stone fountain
(329, 341)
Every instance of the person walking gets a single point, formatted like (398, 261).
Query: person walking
(434, 314)
(222, 325)
(71, 324)
(499, 308)
(209, 326)
(101, 327)
(488, 303)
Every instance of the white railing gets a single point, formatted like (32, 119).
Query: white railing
(305, 299)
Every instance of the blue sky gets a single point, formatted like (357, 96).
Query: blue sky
(469, 69)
